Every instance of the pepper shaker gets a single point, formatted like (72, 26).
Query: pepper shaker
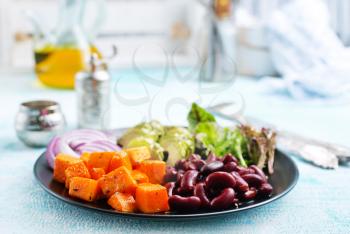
(38, 121)
(93, 93)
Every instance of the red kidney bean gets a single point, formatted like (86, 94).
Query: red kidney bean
(198, 163)
(184, 193)
(212, 167)
(241, 184)
(171, 174)
(211, 158)
(188, 180)
(224, 200)
(250, 194)
(259, 172)
(199, 191)
(170, 188)
(180, 171)
(243, 170)
(253, 180)
(200, 177)
(230, 166)
(212, 187)
(184, 204)
(220, 179)
(180, 165)
(229, 158)
(179, 177)
(213, 192)
(194, 157)
(189, 166)
(265, 190)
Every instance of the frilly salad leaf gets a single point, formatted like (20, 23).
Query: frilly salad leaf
(198, 115)
(221, 141)
(261, 146)
(248, 145)
(203, 136)
(235, 143)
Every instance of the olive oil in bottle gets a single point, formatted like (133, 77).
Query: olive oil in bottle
(61, 53)
(56, 67)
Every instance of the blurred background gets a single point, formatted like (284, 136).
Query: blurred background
(148, 25)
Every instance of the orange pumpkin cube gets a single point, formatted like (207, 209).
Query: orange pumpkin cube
(122, 202)
(154, 169)
(77, 169)
(97, 173)
(85, 158)
(139, 176)
(84, 188)
(151, 198)
(62, 161)
(100, 160)
(118, 180)
(120, 158)
(138, 154)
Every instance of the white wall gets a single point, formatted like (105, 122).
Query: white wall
(131, 24)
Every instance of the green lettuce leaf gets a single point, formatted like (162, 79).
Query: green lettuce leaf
(238, 146)
(206, 137)
(210, 137)
(198, 115)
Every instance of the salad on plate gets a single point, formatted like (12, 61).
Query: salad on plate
(153, 168)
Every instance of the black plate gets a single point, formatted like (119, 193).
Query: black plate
(283, 180)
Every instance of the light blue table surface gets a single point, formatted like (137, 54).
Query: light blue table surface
(320, 202)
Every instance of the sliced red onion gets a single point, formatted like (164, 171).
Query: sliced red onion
(82, 136)
(98, 146)
(75, 145)
(51, 151)
(78, 141)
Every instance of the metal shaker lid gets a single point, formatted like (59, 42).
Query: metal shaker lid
(96, 75)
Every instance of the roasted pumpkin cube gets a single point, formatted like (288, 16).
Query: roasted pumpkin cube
(100, 160)
(138, 154)
(123, 202)
(120, 158)
(118, 180)
(77, 169)
(97, 173)
(151, 198)
(85, 158)
(139, 176)
(154, 169)
(84, 188)
(62, 161)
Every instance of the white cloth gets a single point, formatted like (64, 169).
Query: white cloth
(306, 51)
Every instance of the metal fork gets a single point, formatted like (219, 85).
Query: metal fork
(320, 153)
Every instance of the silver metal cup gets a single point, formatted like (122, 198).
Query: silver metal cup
(38, 121)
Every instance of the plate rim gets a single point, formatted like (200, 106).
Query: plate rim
(168, 216)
